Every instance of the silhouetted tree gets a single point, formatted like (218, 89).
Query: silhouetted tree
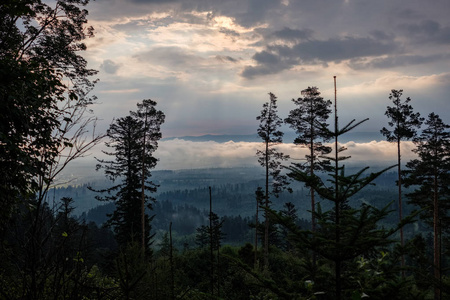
(311, 111)
(152, 119)
(430, 173)
(40, 45)
(404, 123)
(271, 160)
(126, 140)
(345, 233)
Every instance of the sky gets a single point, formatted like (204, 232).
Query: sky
(210, 65)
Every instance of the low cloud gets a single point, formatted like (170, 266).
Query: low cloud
(181, 154)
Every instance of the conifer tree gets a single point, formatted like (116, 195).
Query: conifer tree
(130, 169)
(152, 120)
(311, 110)
(404, 123)
(270, 158)
(343, 233)
(430, 174)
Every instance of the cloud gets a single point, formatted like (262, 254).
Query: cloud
(426, 31)
(226, 58)
(181, 154)
(109, 66)
(172, 57)
(276, 58)
(394, 61)
(288, 34)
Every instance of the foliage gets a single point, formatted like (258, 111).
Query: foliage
(429, 174)
(39, 51)
(270, 159)
(311, 111)
(133, 140)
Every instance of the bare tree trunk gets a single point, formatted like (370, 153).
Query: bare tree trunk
(211, 243)
(172, 278)
(400, 209)
(437, 267)
(143, 190)
(256, 231)
(266, 224)
(337, 204)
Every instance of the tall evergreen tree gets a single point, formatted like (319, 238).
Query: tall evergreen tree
(344, 233)
(270, 158)
(430, 173)
(131, 166)
(404, 123)
(152, 119)
(311, 110)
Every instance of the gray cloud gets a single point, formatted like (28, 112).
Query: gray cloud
(289, 34)
(277, 58)
(229, 32)
(426, 31)
(395, 61)
(109, 66)
(174, 57)
(226, 58)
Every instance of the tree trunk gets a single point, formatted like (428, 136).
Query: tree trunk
(337, 203)
(143, 190)
(172, 272)
(266, 224)
(211, 243)
(437, 267)
(400, 209)
(256, 231)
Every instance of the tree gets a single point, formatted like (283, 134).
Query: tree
(430, 174)
(152, 123)
(344, 233)
(131, 166)
(270, 158)
(259, 198)
(404, 123)
(39, 52)
(311, 110)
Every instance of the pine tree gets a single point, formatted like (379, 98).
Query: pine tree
(130, 169)
(311, 111)
(404, 123)
(343, 233)
(430, 174)
(152, 119)
(271, 160)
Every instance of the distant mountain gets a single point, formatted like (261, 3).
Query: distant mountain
(361, 137)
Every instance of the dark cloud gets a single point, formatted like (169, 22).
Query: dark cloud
(225, 58)
(426, 31)
(246, 13)
(109, 66)
(381, 35)
(289, 34)
(268, 63)
(395, 61)
(342, 49)
(229, 32)
(277, 58)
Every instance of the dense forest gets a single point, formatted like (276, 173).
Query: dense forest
(310, 229)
